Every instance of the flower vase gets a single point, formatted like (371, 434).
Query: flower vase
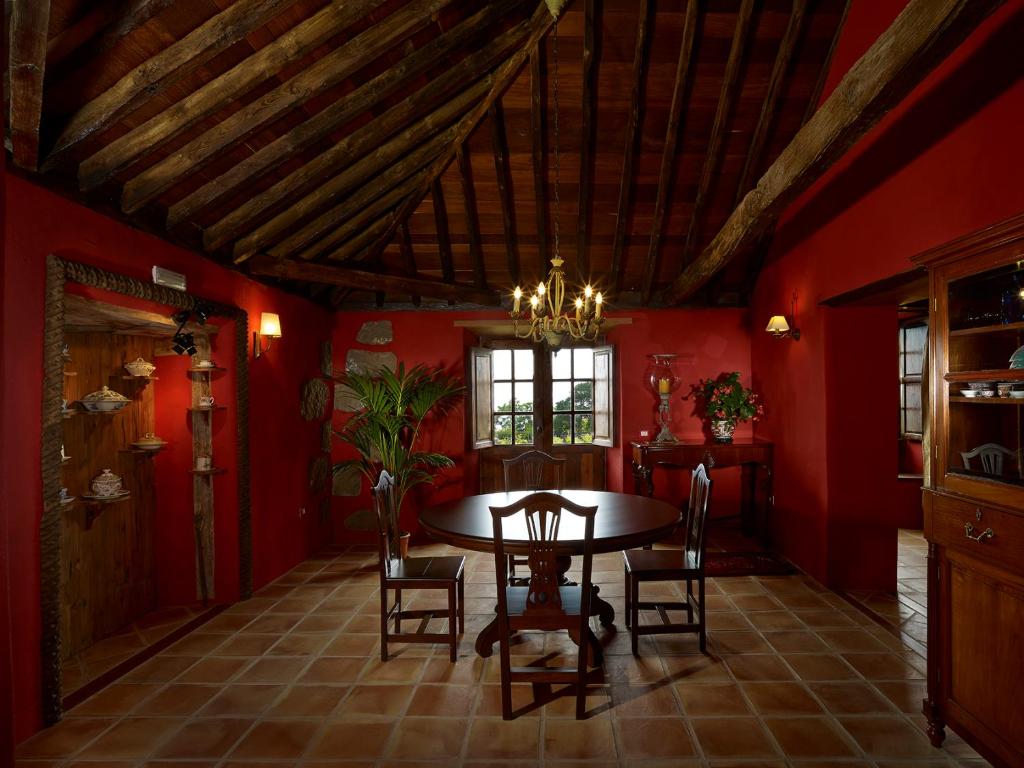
(722, 429)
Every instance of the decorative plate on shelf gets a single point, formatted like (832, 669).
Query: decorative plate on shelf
(104, 399)
(1017, 358)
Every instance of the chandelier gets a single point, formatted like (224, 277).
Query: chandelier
(545, 316)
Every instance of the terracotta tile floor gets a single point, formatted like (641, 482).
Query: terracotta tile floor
(796, 677)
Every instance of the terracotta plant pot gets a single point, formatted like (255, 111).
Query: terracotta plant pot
(722, 429)
(403, 544)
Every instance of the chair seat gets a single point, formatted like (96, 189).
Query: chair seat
(428, 568)
(651, 562)
(572, 599)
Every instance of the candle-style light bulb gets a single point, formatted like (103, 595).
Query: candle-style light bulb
(587, 293)
(534, 301)
(541, 289)
(517, 296)
(598, 301)
(579, 308)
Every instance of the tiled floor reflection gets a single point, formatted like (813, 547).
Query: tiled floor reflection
(796, 677)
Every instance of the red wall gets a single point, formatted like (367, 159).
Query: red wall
(709, 342)
(947, 161)
(282, 444)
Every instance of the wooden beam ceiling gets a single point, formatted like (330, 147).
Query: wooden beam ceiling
(924, 33)
(587, 140)
(29, 24)
(505, 192)
(476, 251)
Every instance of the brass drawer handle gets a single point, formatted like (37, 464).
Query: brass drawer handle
(982, 537)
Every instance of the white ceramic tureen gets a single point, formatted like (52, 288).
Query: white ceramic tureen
(106, 484)
(140, 367)
(104, 399)
(150, 442)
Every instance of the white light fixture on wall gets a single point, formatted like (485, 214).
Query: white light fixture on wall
(270, 329)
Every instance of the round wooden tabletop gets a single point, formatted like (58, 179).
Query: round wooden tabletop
(623, 521)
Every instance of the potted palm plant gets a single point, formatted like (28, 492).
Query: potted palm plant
(395, 405)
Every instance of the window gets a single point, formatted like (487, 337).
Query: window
(913, 351)
(532, 396)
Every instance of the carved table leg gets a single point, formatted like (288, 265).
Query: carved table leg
(936, 725)
(642, 479)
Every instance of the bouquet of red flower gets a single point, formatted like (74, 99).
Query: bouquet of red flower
(727, 402)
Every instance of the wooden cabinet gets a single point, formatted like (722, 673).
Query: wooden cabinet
(974, 502)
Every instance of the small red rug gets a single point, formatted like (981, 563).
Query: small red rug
(747, 564)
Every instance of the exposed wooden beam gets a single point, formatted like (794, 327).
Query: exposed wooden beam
(358, 244)
(826, 67)
(643, 26)
(924, 33)
(329, 191)
(538, 149)
(540, 23)
(370, 281)
(772, 97)
(165, 68)
(359, 142)
(668, 154)
(29, 24)
(506, 195)
(325, 73)
(716, 143)
(586, 145)
(444, 241)
(476, 251)
(408, 256)
(204, 102)
(363, 98)
(100, 30)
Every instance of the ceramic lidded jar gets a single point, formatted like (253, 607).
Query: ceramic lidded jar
(150, 442)
(105, 399)
(106, 484)
(140, 367)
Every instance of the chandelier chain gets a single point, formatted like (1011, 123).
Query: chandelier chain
(554, 89)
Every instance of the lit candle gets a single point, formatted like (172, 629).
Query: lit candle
(534, 301)
(587, 293)
(541, 289)
(579, 308)
(517, 295)
(664, 386)
(598, 301)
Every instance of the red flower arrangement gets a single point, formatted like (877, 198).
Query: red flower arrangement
(725, 399)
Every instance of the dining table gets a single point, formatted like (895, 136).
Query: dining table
(623, 521)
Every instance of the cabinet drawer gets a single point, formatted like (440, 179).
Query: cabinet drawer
(980, 530)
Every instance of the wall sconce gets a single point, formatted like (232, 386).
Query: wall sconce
(779, 327)
(270, 329)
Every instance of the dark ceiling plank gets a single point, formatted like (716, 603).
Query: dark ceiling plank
(165, 68)
(351, 249)
(924, 33)
(770, 105)
(357, 221)
(826, 67)
(359, 142)
(506, 194)
(716, 143)
(587, 139)
(408, 256)
(28, 27)
(360, 100)
(444, 240)
(668, 155)
(476, 251)
(369, 281)
(326, 73)
(209, 98)
(632, 141)
(540, 22)
(101, 29)
(405, 151)
(538, 149)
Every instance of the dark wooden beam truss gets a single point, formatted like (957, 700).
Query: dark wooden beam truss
(476, 250)
(587, 139)
(29, 24)
(506, 195)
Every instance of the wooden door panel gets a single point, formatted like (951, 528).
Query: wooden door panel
(986, 634)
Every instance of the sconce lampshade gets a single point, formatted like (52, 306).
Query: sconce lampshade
(778, 326)
(270, 325)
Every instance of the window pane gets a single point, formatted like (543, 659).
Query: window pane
(503, 430)
(584, 363)
(502, 363)
(524, 430)
(524, 396)
(560, 394)
(524, 364)
(583, 395)
(560, 428)
(584, 428)
(912, 408)
(561, 364)
(913, 351)
(502, 398)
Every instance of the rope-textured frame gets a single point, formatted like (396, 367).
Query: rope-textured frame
(59, 272)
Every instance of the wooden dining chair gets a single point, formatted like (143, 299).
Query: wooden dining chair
(647, 565)
(543, 604)
(446, 573)
(531, 471)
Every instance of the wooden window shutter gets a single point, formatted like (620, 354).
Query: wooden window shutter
(480, 394)
(604, 396)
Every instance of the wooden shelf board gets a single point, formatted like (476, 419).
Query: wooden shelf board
(129, 377)
(104, 500)
(207, 408)
(211, 471)
(141, 450)
(988, 400)
(215, 369)
(997, 374)
(982, 329)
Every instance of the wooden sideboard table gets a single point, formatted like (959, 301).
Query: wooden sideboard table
(753, 456)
